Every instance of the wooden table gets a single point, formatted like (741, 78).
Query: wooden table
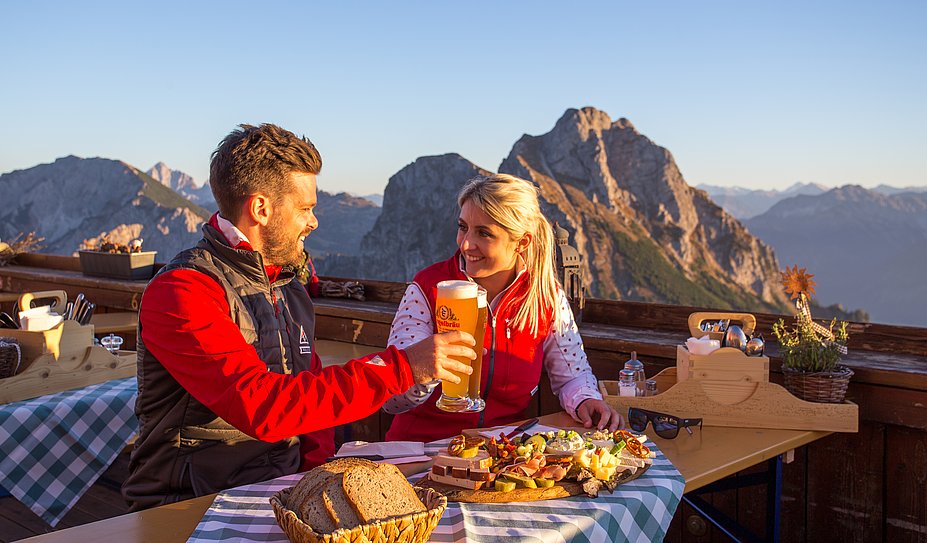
(710, 454)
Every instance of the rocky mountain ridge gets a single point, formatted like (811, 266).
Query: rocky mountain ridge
(646, 235)
(73, 202)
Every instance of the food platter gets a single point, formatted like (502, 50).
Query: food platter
(561, 489)
(540, 466)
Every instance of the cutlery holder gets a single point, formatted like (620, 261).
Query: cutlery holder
(61, 359)
(767, 406)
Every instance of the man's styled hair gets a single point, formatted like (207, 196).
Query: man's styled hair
(257, 159)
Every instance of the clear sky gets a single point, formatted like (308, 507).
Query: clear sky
(756, 94)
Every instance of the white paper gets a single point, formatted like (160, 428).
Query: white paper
(393, 452)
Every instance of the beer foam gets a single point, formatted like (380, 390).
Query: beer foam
(457, 290)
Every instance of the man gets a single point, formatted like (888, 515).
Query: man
(231, 390)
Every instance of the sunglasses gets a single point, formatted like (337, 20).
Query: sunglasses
(666, 426)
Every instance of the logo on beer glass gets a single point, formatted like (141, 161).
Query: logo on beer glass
(447, 318)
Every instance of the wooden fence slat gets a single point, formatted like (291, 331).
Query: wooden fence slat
(906, 485)
(846, 486)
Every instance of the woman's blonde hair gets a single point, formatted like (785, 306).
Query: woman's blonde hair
(513, 203)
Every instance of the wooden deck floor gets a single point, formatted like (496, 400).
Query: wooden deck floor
(103, 500)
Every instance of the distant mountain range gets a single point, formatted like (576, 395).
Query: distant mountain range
(746, 203)
(645, 234)
(375, 198)
(77, 201)
(866, 248)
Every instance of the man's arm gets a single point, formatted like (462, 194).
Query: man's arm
(185, 324)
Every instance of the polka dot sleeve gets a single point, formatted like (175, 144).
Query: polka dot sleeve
(411, 324)
(571, 377)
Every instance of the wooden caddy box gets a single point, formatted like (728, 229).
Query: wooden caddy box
(61, 358)
(728, 388)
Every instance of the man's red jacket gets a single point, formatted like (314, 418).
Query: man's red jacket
(186, 325)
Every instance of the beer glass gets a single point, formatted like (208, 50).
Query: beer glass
(476, 402)
(456, 309)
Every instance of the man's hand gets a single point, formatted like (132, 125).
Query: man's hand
(430, 357)
(597, 412)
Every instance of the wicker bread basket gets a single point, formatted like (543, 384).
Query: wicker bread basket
(406, 529)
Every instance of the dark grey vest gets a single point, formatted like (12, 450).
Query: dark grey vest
(184, 450)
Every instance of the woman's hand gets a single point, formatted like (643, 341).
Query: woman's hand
(592, 411)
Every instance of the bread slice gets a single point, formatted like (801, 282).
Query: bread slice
(308, 500)
(330, 510)
(315, 513)
(338, 505)
(380, 493)
(316, 476)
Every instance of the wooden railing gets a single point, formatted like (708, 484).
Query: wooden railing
(867, 486)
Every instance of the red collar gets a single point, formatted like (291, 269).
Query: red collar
(273, 272)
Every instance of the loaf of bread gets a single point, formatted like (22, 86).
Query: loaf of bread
(348, 492)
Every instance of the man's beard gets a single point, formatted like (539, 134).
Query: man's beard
(279, 249)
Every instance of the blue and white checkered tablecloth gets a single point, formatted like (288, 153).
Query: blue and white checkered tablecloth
(53, 448)
(638, 511)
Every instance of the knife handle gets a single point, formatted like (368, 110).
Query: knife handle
(88, 313)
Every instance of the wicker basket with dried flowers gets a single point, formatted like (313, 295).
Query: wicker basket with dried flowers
(811, 352)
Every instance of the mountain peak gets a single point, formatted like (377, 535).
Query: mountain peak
(590, 120)
(183, 183)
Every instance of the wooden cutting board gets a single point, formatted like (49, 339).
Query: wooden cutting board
(562, 489)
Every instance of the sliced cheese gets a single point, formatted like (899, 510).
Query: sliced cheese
(631, 461)
(481, 460)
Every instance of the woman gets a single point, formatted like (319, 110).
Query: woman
(506, 246)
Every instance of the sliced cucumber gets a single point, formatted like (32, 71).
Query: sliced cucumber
(521, 481)
(543, 483)
(503, 485)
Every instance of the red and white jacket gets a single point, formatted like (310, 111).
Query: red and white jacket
(511, 368)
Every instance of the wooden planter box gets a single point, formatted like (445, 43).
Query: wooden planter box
(130, 266)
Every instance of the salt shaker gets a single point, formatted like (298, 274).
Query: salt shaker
(112, 343)
(651, 387)
(626, 384)
(637, 367)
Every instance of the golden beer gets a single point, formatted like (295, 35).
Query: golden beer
(473, 391)
(456, 309)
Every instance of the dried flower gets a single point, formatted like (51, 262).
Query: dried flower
(807, 345)
(797, 283)
(29, 243)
